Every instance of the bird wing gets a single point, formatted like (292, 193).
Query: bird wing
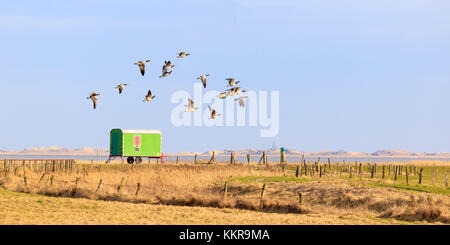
(149, 94)
(142, 68)
(242, 100)
(204, 81)
(94, 100)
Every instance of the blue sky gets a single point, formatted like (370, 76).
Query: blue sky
(352, 75)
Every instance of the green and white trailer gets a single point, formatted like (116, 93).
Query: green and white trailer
(134, 144)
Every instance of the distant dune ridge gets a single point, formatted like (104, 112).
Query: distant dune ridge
(88, 151)
(55, 151)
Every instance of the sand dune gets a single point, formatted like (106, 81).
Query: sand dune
(88, 151)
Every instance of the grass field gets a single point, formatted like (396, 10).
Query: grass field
(35, 209)
(195, 194)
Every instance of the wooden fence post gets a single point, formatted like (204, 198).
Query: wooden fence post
(248, 159)
(300, 198)
(5, 168)
(213, 158)
(282, 159)
(433, 173)
(74, 190)
(305, 166)
(119, 188)
(263, 157)
(177, 160)
(406, 175)
(42, 177)
(395, 172)
(51, 180)
(350, 171)
(446, 178)
(320, 172)
(261, 203)
(382, 176)
(195, 159)
(420, 175)
(225, 190)
(329, 166)
(297, 172)
(99, 185)
(138, 188)
(24, 178)
(372, 171)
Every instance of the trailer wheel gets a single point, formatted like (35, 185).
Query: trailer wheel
(138, 160)
(130, 160)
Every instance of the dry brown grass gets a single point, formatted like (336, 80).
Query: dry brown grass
(202, 186)
(31, 209)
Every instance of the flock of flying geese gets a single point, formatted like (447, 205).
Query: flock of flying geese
(166, 71)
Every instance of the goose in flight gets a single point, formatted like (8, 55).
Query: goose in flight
(190, 106)
(203, 79)
(149, 96)
(232, 91)
(182, 54)
(167, 65)
(223, 95)
(241, 100)
(236, 91)
(232, 82)
(165, 74)
(93, 97)
(213, 113)
(121, 87)
(141, 65)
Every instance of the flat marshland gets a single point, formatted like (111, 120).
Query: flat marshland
(224, 193)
